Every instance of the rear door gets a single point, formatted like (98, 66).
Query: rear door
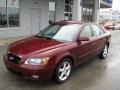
(99, 38)
(84, 49)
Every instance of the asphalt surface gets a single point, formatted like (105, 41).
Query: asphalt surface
(94, 75)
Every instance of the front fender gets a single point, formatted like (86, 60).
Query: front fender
(64, 55)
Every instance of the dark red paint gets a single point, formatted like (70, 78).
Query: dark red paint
(78, 51)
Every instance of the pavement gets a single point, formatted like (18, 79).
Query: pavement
(4, 41)
(96, 74)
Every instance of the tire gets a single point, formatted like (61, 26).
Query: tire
(63, 71)
(104, 52)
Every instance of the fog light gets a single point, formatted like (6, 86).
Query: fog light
(35, 76)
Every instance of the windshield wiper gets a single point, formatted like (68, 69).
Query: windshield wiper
(47, 37)
(40, 36)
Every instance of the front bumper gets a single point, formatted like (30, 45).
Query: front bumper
(30, 71)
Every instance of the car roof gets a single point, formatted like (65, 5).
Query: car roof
(66, 22)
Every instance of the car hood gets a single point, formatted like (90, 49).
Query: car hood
(34, 44)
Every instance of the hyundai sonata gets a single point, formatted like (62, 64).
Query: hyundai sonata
(56, 50)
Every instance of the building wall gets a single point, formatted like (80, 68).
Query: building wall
(43, 5)
(77, 10)
(60, 10)
(25, 18)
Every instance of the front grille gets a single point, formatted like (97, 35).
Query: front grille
(13, 58)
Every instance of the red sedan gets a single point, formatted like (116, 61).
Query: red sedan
(109, 26)
(56, 50)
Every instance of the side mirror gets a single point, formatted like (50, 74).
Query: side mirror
(84, 39)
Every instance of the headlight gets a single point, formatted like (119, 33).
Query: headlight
(37, 61)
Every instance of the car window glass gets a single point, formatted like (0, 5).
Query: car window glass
(86, 32)
(60, 32)
(97, 30)
(67, 33)
(52, 31)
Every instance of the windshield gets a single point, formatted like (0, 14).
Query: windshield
(60, 32)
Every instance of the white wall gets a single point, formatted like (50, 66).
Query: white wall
(60, 10)
(25, 19)
(77, 10)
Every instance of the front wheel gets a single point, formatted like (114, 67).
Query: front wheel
(63, 71)
(104, 52)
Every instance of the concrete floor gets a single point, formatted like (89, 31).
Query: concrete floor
(94, 75)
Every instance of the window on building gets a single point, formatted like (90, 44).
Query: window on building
(87, 11)
(9, 13)
(68, 9)
(52, 9)
(87, 14)
(3, 14)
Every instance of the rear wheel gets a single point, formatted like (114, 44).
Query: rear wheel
(104, 52)
(63, 70)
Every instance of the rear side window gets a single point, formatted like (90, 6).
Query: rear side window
(97, 30)
(86, 32)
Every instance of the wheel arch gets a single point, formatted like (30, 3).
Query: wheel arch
(70, 57)
(60, 60)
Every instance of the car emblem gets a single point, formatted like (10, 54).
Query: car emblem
(11, 58)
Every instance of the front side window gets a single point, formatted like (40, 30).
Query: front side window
(60, 32)
(97, 30)
(86, 32)
(9, 13)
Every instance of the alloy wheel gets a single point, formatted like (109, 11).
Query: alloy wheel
(105, 51)
(64, 71)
